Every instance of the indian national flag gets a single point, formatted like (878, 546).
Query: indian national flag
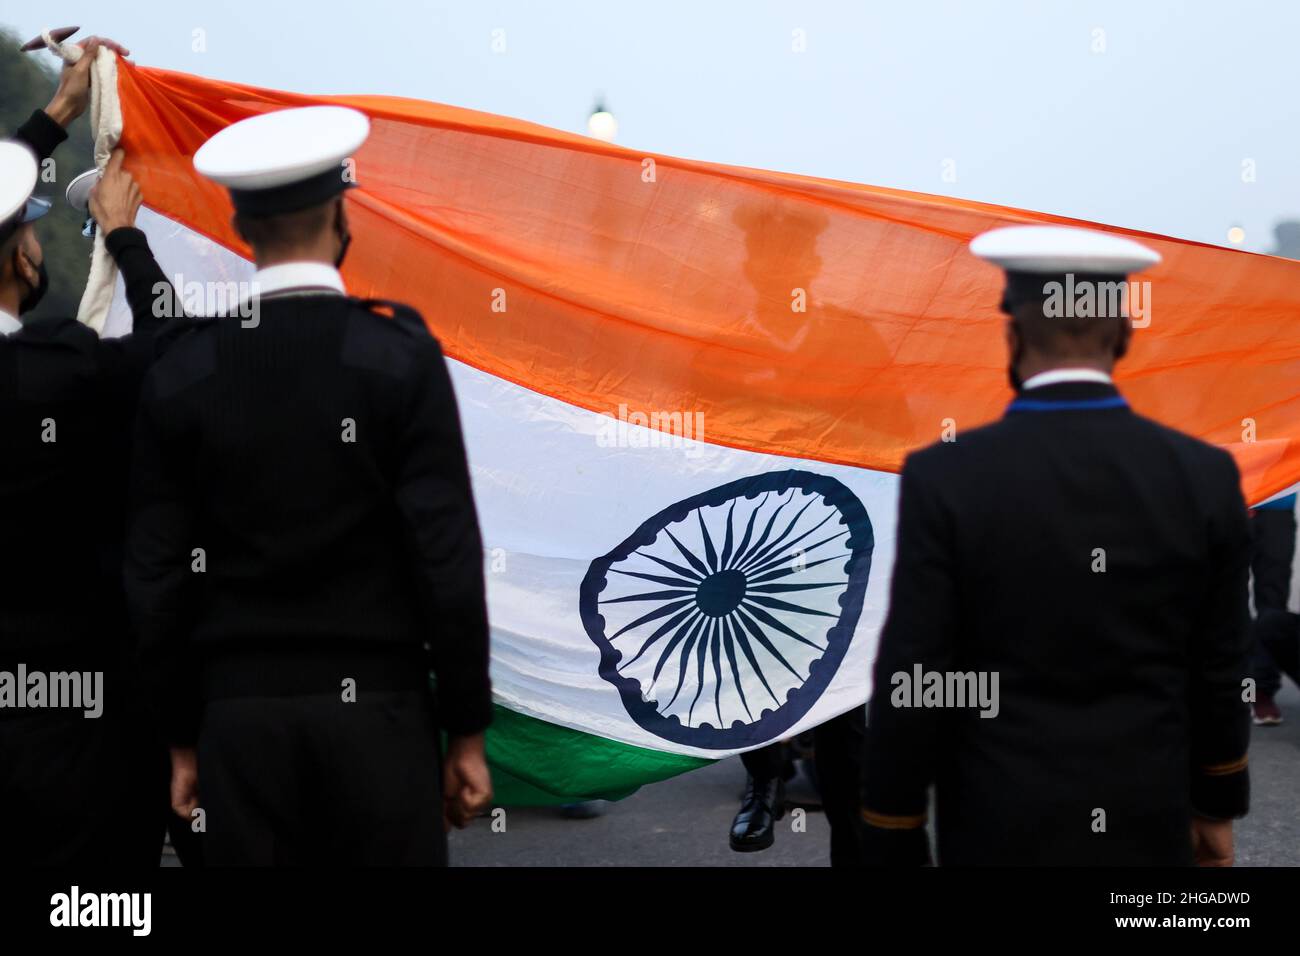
(687, 390)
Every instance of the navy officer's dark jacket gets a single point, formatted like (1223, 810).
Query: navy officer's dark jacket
(301, 509)
(1097, 562)
(67, 402)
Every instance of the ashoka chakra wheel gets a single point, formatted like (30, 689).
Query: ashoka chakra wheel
(723, 618)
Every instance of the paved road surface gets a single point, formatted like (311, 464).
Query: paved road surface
(684, 821)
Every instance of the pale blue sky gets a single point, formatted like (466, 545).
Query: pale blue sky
(1151, 133)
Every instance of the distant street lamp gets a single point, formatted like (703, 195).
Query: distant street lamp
(1236, 235)
(601, 123)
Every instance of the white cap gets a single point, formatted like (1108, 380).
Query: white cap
(276, 162)
(1059, 249)
(18, 173)
(78, 192)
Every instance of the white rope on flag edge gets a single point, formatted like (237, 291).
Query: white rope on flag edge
(106, 125)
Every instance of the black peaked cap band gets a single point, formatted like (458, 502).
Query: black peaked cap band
(290, 197)
(1030, 287)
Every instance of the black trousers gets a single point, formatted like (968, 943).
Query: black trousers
(837, 745)
(312, 780)
(1273, 539)
(80, 792)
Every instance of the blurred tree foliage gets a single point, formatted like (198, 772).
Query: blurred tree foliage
(27, 81)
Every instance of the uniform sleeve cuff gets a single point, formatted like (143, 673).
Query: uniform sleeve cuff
(471, 720)
(41, 133)
(1221, 793)
(908, 847)
(125, 237)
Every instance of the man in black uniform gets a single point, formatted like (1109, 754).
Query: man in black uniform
(74, 789)
(837, 757)
(1091, 562)
(304, 546)
(1272, 531)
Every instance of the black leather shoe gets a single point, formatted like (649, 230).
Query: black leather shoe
(754, 826)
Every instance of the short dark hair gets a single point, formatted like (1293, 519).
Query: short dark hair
(1068, 315)
(270, 234)
(8, 246)
(1066, 337)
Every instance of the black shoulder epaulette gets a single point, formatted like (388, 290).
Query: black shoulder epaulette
(405, 316)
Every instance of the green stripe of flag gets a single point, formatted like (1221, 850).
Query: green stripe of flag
(537, 763)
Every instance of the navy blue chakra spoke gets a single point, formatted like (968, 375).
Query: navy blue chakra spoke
(722, 619)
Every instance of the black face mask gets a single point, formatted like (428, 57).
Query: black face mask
(345, 236)
(33, 298)
(1012, 375)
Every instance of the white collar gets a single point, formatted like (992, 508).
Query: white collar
(1056, 375)
(298, 276)
(8, 324)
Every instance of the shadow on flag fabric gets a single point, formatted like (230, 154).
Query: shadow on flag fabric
(687, 390)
